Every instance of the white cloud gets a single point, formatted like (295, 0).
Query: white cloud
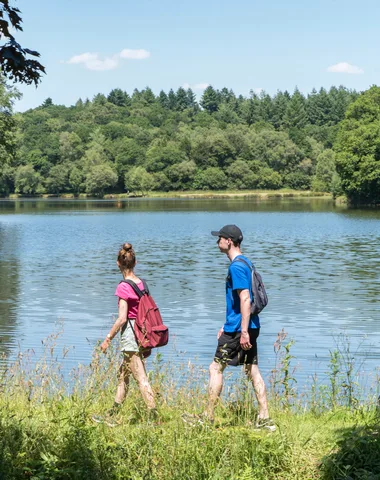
(258, 90)
(200, 86)
(134, 54)
(344, 67)
(196, 86)
(93, 61)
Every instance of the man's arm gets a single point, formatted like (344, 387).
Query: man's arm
(245, 309)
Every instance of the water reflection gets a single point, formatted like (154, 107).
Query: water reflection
(9, 285)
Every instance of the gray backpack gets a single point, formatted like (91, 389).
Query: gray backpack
(259, 295)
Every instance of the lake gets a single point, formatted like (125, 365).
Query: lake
(320, 264)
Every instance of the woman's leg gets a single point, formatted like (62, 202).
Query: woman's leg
(124, 373)
(137, 368)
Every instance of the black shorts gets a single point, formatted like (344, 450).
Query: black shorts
(229, 351)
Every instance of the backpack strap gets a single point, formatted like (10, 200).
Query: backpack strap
(136, 289)
(243, 261)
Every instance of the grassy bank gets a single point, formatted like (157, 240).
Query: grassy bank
(255, 194)
(46, 430)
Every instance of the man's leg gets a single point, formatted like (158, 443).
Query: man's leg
(214, 387)
(254, 375)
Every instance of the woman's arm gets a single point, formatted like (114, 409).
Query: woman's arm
(121, 320)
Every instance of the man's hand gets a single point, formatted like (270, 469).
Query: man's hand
(105, 345)
(244, 341)
(220, 333)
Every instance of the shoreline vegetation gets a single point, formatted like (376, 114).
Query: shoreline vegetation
(256, 194)
(329, 432)
(144, 142)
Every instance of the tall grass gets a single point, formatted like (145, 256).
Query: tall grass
(46, 430)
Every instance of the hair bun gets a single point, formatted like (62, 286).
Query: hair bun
(127, 247)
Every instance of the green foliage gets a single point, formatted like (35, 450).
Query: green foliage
(100, 178)
(14, 59)
(258, 142)
(58, 179)
(210, 179)
(27, 180)
(325, 171)
(210, 100)
(358, 149)
(7, 175)
(46, 430)
(138, 180)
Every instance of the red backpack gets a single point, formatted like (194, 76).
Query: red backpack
(149, 330)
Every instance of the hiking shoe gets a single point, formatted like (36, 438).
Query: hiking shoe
(197, 420)
(107, 419)
(265, 424)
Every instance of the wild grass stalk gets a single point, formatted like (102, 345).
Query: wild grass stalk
(46, 430)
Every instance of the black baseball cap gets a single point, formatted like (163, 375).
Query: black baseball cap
(229, 231)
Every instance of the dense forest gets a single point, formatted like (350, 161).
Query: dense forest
(142, 142)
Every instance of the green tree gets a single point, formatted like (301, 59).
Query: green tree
(76, 180)
(210, 100)
(7, 123)
(268, 179)
(295, 115)
(96, 152)
(7, 177)
(129, 153)
(58, 179)
(163, 99)
(325, 171)
(319, 107)
(161, 156)
(181, 175)
(70, 146)
(118, 97)
(182, 99)
(14, 59)
(27, 180)
(250, 109)
(358, 149)
(160, 182)
(280, 105)
(240, 176)
(213, 178)
(137, 179)
(100, 178)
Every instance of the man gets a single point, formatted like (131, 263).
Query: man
(237, 339)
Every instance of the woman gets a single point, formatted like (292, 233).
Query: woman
(132, 355)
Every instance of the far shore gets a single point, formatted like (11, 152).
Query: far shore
(256, 194)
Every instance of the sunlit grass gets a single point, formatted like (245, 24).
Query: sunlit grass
(46, 430)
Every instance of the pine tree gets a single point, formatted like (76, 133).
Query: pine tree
(163, 99)
(295, 115)
(182, 99)
(210, 100)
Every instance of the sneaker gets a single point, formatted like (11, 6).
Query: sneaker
(197, 420)
(265, 424)
(107, 419)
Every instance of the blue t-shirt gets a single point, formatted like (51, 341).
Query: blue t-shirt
(239, 277)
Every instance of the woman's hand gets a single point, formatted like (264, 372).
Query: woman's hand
(220, 333)
(105, 345)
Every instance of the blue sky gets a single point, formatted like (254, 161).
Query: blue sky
(91, 47)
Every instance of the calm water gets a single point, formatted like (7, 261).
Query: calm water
(320, 264)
